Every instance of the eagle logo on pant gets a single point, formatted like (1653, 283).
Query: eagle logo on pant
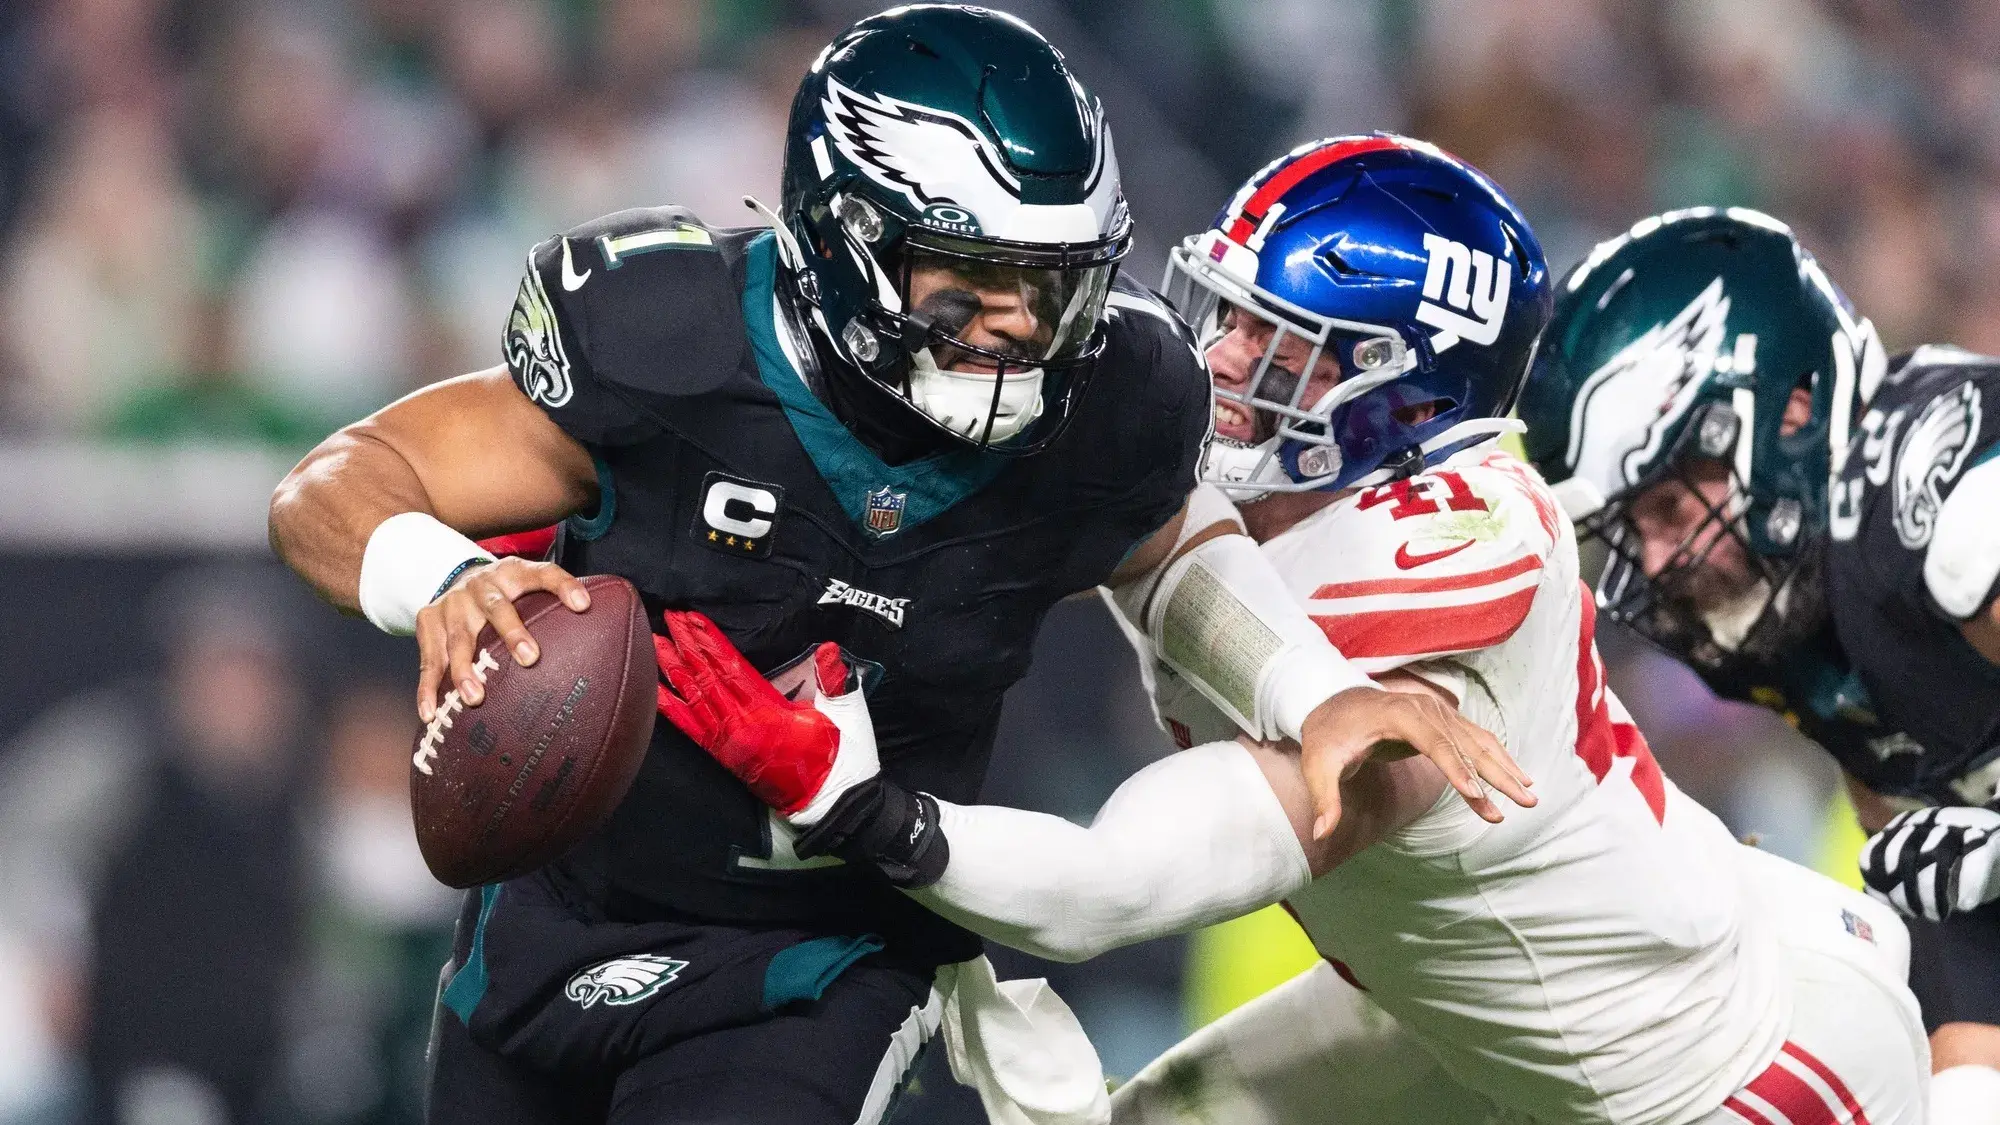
(623, 980)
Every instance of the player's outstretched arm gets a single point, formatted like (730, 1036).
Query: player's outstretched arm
(1221, 616)
(377, 518)
(1202, 836)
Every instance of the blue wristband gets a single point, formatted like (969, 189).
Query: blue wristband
(458, 572)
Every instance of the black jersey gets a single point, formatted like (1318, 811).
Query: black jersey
(729, 488)
(1907, 706)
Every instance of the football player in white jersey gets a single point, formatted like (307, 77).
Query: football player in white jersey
(1610, 954)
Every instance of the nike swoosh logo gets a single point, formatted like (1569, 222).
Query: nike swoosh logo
(572, 280)
(1405, 560)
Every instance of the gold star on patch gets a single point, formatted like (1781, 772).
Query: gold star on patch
(731, 541)
(749, 544)
(711, 537)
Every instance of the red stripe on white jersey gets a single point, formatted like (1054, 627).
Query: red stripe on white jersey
(1599, 740)
(1783, 1095)
(1736, 1106)
(1825, 1073)
(1522, 565)
(1434, 630)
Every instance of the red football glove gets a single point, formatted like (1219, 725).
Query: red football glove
(783, 750)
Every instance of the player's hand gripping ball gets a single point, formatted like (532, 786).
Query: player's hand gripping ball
(505, 786)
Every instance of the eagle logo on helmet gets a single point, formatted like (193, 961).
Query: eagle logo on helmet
(534, 344)
(949, 170)
(1662, 371)
(921, 152)
(1934, 450)
(623, 980)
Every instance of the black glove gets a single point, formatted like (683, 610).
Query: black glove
(880, 822)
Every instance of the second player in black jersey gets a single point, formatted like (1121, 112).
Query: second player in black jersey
(1813, 527)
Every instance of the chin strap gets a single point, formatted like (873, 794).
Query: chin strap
(788, 246)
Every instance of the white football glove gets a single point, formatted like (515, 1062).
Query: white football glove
(1935, 862)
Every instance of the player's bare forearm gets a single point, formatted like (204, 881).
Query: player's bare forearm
(325, 508)
(473, 452)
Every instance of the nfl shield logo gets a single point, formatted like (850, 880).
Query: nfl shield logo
(885, 511)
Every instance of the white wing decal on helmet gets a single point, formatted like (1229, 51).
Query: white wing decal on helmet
(1624, 409)
(1934, 450)
(930, 156)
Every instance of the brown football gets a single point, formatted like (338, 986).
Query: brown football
(505, 787)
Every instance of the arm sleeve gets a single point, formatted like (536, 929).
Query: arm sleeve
(1193, 839)
(1449, 561)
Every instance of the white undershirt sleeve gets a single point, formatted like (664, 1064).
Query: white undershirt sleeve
(1193, 839)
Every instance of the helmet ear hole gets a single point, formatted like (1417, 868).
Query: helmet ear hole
(1523, 265)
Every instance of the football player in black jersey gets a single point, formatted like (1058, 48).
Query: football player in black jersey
(1815, 528)
(910, 417)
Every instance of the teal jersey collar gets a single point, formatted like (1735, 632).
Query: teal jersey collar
(929, 486)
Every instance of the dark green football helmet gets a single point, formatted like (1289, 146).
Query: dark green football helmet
(942, 163)
(1685, 403)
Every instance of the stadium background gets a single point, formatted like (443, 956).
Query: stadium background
(227, 227)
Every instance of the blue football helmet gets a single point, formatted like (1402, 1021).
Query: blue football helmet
(1402, 264)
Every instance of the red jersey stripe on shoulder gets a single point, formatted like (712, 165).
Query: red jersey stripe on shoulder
(1826, 1075)
(1438, 585)
(1418, 632)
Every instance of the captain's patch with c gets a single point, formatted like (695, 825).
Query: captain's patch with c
(737, 516)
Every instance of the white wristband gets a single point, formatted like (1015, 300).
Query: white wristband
(410, 560)
(1308, 676)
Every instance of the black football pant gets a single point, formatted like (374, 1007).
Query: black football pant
(546, 1020)
(1955, 967)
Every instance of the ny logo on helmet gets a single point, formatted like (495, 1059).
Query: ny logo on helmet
(1466, 281)
(623, 980)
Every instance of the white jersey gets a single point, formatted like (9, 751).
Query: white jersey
(1594, 958)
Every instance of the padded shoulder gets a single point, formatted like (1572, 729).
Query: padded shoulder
(1450, 560)
(1152, 359)
(1146, 414)
(647, 300)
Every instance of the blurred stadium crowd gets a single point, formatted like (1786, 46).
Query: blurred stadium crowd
(245, 222)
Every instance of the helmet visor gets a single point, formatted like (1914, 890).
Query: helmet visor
(978, 313)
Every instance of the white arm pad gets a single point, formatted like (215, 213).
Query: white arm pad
(1193, 839)
(1963, 559)
(1224, 620)
(410, 559)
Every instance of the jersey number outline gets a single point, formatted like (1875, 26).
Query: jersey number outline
(1601, 741)
(1419, 496)
(614, 249)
